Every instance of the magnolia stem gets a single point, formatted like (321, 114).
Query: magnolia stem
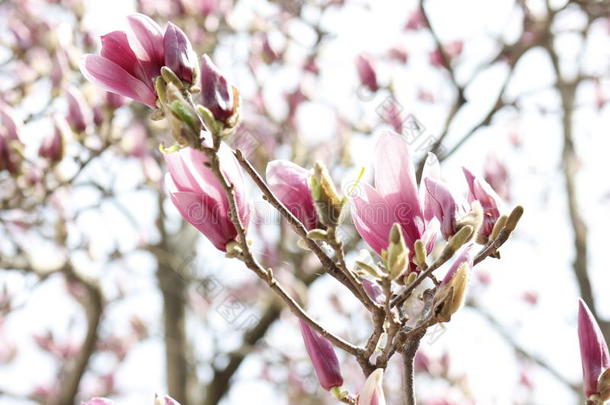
(408, 357)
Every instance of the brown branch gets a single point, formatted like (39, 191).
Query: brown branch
(408, 357)
(93, 304)
(267, 274)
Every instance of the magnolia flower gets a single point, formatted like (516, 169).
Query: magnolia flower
(451, 293)
(416, 20)
(52, 146)
(199, 196)
(217, 94)
(10, 124)
(395, 198)
(367, 73)
(79, 113)
(323, 357)
(480, 191)
(290, 184)
(440, 204)
(593, 351)
(128, 65)
(372, 391)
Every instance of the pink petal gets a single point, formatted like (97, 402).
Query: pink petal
(372, 217)
(593, 349)
(395, 181)
(115, 47)
(149, 38)
(440, 204)
(289, 182)
(112, 77)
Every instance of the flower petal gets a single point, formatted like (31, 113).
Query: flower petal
(112, 77)
(372, 217)
(395, 181)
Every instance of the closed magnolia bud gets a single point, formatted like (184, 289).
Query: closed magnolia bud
(327, 200)
(372, 391)
(217, 94)
(165, 400)
(451, 293)
(593, 352)
(79, 113)
(10, 156)
(290, 184)
(323, 357)
(367, 73)
(179, 54)
(52, 147)
(397, 257)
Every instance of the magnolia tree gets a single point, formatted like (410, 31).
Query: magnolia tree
(142, 182)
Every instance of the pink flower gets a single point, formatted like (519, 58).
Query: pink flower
(179, 54)
(464, 257)
(394, 199)
(480, 191)
(372, 391)
(129, 65)
(323, 357)
(10, 158)
(416, 20)
(440, 204)
(217, 94)
(79, 113)
(290, 184)
(52, 146)
(10, 124)
(593, 350)
(199, 196)
(366, 72)
(496, 174)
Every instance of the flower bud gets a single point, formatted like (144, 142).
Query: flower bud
(200, 197)
(179, 54)
(397, 257)
(10, 156)
(451, 293)
(367, 73)
(79, 113)
(593, 352)
(165, 400)
(327, 201)
(323, 357)
(372, 391)
(52, 147)
(217, 94)
(480, 191)
(290, 184)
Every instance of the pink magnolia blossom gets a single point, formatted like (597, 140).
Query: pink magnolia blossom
(52, 146)
(10, 124)
(480, 191)
(394, 199)
(79, 113)
(128, 65)
(441, 205)
(290, 183)
(593, 349)
(199, 196)
(465, 256)
(416, 20)
(217, 94)
(372, 391)
(323, 357)
(367, 72)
